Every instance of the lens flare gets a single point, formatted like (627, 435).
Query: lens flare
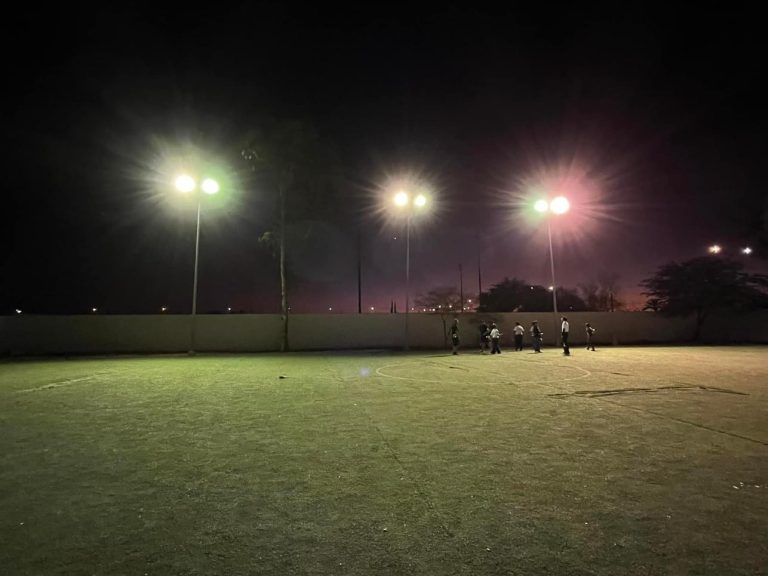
(184, 183)
(541, 206)
(401, 199)
(210, 186)
(560, 205)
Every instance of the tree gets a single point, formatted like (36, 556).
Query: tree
(602, 295)
(703, 285)
(441, 299)
(444, 300)
(514, 295)
(288, 157)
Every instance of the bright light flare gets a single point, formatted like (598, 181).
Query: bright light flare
(210, 186)
(402, 197)
(746, 251)
(541, 206)
(715, 249)
(560, 205)
(184, 183)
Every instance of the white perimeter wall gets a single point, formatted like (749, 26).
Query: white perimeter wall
(30, 334)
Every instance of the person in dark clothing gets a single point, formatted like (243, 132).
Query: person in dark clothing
(590, 331)
(537, 335)
(484, 337)
(455, 335)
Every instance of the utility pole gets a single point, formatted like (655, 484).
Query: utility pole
(461, 288)
(359, 273)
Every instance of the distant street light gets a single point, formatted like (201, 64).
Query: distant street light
(557, 206)
(746, 250)
(186, 184)
(410, 205)
(715, 249)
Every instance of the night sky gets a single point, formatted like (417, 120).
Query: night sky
(652, 122)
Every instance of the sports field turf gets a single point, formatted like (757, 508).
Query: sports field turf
(624, 461)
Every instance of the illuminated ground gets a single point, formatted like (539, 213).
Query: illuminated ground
(622, 461)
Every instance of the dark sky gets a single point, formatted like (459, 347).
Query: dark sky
(653, 122)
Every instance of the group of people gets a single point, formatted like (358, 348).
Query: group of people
(565, 328)
(490, 337)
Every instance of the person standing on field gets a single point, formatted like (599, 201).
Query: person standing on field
(590, 331)
(565, 328)
(495, 338)
(537, 335)
(455, 336)
(519, 331)
(484, 337)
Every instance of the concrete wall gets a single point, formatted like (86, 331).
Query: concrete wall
(29, 334)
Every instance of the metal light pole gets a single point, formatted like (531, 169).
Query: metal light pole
(407, 274)
(557, 206)
(552, 267)
(194, 285)
(187, 184)
(403, 200)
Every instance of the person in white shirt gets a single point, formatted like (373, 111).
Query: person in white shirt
(495, 337)
(519, 331)
(565, 328)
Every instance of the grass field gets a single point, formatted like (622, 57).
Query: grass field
(628, 461)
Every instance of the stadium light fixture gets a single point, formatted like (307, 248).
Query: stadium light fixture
(186, 184)
(404, 201)
(558, 206)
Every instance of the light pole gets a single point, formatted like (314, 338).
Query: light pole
(405, 202)
(186, 184)
(557, 206)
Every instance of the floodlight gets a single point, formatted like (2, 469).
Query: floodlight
(185, 183)
(560, 205)
(210, 186)
(541, 206)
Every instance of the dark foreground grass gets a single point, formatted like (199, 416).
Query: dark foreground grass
(623, 461)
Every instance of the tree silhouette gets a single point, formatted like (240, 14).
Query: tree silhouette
(289, 158)
(703, 285)
(514, 295)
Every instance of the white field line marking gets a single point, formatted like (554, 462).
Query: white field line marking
(585, 374)
(59, 384)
